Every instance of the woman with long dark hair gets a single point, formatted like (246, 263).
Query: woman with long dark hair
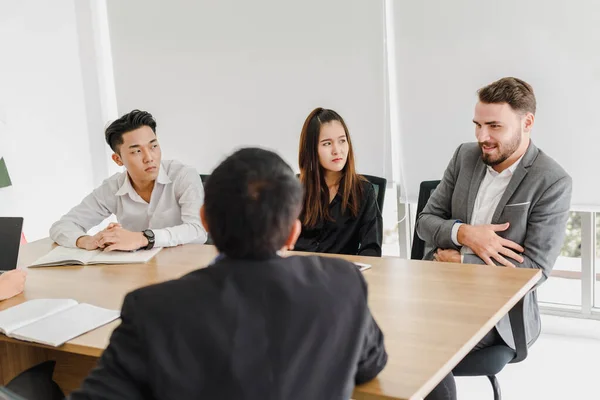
(340, 212)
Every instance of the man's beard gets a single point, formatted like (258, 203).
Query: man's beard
(507, 150)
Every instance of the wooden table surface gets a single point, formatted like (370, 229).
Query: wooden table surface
(431, 314)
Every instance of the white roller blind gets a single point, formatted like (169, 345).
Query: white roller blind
(446, 50)
(223, 74)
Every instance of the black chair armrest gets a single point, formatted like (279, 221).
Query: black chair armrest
(517, 323)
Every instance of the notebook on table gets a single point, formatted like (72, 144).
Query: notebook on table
(361, 266)
(70, 256)
(53, 322)
(7, 394)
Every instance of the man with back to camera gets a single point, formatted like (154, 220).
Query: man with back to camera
(156, 202)
(502, 201)
(252, 325)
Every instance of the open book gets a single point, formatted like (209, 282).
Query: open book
(362, 267)
(69, 256)
(53, 321)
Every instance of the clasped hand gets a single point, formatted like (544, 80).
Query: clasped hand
(114, 237)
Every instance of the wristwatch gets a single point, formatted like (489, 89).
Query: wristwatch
(148, 234)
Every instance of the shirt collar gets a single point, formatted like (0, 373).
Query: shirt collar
(511, 169)
(162, 177)
(127, 188)
(222, 256)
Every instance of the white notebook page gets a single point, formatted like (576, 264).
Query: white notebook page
(61, 254)
(64, 326)
(30, 311)
(124, 257)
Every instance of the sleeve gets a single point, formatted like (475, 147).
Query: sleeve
(455, 229)
(435, 223)
(546, 230)
(373, 356)
(190, 194)
(121, 372)
(370, 230)
(95, 208)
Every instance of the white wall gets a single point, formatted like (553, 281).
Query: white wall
(446, 50)
(42, 98)
(219, 75)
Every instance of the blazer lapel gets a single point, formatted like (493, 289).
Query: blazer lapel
(514, 183)
(478, 175)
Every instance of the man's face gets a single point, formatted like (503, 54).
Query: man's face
(140, 154)
(499, 130)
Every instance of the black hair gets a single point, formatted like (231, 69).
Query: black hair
(127, 123)
(251, 201)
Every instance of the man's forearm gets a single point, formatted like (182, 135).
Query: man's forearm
(527, 263)
(436, 231)
(180, 234)
(66, 233)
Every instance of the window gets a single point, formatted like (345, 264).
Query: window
(391, 243)
(564, 285)
(596, 270)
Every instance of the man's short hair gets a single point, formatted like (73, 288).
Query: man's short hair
(127, 123)
(251, 201)
(516, 92)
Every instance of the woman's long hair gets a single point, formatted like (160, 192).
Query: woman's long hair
(316, 193)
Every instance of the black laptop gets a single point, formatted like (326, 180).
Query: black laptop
(10, 240)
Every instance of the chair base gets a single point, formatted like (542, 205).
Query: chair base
(495, 387)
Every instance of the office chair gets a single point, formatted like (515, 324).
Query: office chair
(425, 190)
(34, 383)
(489, 361)
(380, 185)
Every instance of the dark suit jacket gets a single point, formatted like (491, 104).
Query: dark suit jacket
(536, 204)
(283, 328)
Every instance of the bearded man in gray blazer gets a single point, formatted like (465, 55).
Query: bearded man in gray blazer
(502, 201)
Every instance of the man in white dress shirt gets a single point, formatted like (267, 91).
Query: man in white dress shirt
(156, 202)
(502, 201)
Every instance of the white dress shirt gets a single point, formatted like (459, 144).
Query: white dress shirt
(173, 213)
(490, 192)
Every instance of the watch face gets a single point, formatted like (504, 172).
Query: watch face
(149, 234)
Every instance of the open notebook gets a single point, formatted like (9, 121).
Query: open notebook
(362, 267)
(53, 321)
(69, 256)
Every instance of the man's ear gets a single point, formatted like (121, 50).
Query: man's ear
(293, 236)
(528, 122)
(117, 159)
(203, 218)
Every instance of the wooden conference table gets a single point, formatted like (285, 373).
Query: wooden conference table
(431, 314)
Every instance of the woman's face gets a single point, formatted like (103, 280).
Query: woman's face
(333, 146)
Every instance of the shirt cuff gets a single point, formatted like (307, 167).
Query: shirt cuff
(161, 238)
(454, 236)
(69, 239)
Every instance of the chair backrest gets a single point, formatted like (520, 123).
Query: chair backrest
(425, 191)
(380, 185)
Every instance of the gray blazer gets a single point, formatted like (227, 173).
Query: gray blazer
(536, 204)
